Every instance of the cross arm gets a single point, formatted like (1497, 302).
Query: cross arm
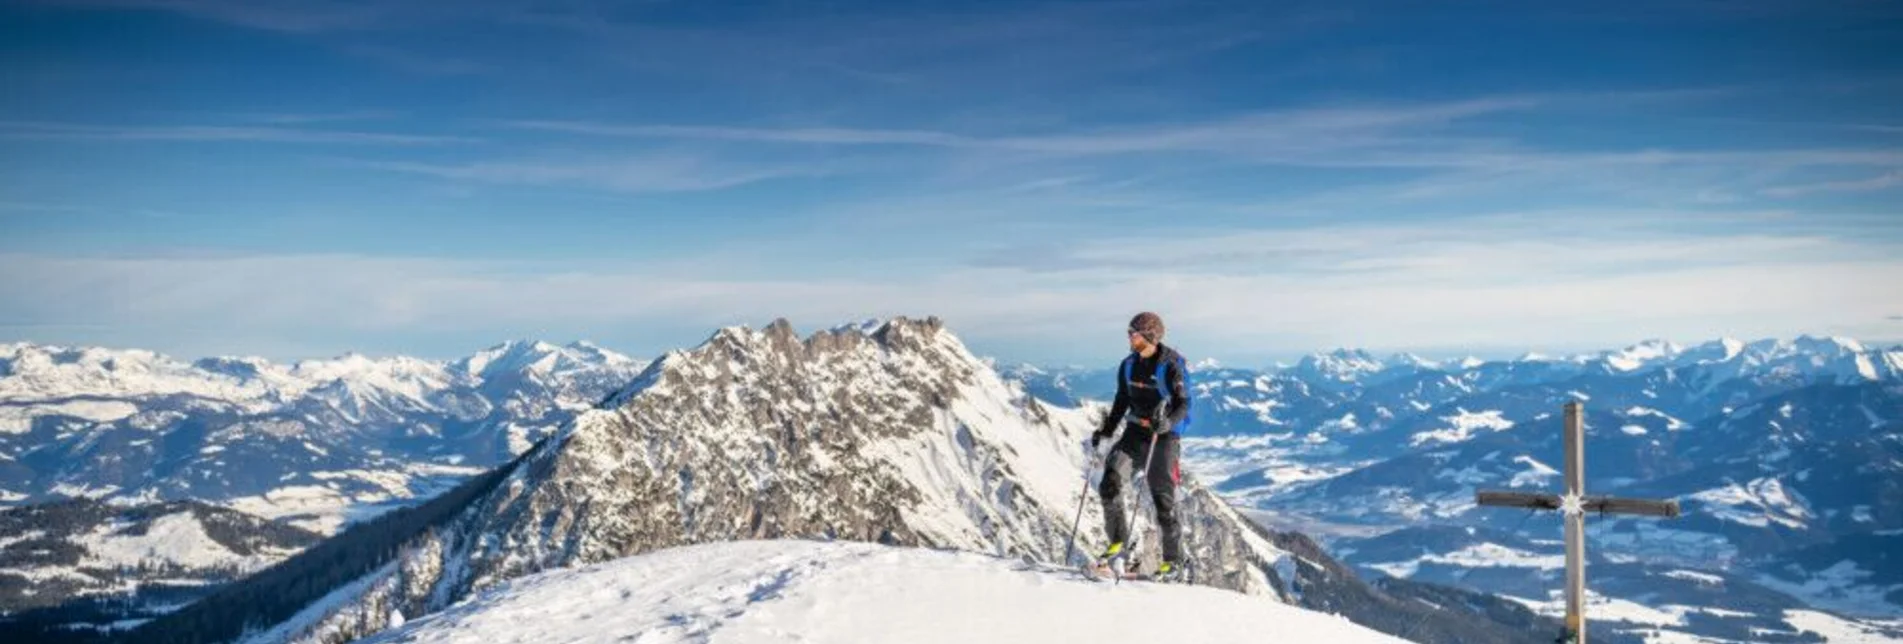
(1644, 507)
(1591, 504)
(1517, 500)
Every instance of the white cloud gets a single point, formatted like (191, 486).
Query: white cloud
(1346, 286)
(1292, 131)
(1470, 250)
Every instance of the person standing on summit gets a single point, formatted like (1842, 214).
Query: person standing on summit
(1153, 390)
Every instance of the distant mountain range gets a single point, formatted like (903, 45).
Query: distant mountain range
(316, 443)
(1786, 454)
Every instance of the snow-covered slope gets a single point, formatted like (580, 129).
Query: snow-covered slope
(802, 591)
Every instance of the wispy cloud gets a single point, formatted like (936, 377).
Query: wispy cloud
(821, 135)
(1280, 132)
(1393, 158)
(212, 133)
(1481, 250)
(652, 173)
(1888, 180)
(1421, 136)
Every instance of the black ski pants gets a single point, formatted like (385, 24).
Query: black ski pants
(1125, 458)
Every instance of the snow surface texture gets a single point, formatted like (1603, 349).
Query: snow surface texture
(798, 591)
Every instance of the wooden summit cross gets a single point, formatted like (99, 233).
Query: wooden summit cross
(1574, 505)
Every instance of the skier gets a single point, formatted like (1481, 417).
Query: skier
(1153, 389)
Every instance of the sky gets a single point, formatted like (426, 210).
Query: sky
(302, 179)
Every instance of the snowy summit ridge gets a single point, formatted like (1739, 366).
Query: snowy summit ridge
(779, 591)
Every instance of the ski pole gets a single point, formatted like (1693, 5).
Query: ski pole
(1136, 521)
(1070, 546)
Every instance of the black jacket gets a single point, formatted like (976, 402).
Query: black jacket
(1140, 397)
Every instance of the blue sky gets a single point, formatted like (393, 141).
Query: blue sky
(295, 179)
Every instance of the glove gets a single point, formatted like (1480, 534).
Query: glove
(1098, 438)
(1160, 423)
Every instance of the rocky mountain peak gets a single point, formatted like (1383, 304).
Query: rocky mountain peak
(892, 433)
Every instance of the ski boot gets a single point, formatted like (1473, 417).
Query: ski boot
(1169, 573)
(1112, 563)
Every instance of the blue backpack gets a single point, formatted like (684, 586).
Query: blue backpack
(1162, 385)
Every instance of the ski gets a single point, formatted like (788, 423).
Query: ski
(1103, 572)
(1116, 569)
(1097, 571)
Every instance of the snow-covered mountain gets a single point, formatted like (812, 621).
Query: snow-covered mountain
(910, 439)
(85, 564)
(1339, 368)
(317, 442)
(1066, 386)
(891, 433)
(1800, 468)
(803, 591)
(1807, 358)
(898, 436)
(1267, 431)
(1773, 447)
